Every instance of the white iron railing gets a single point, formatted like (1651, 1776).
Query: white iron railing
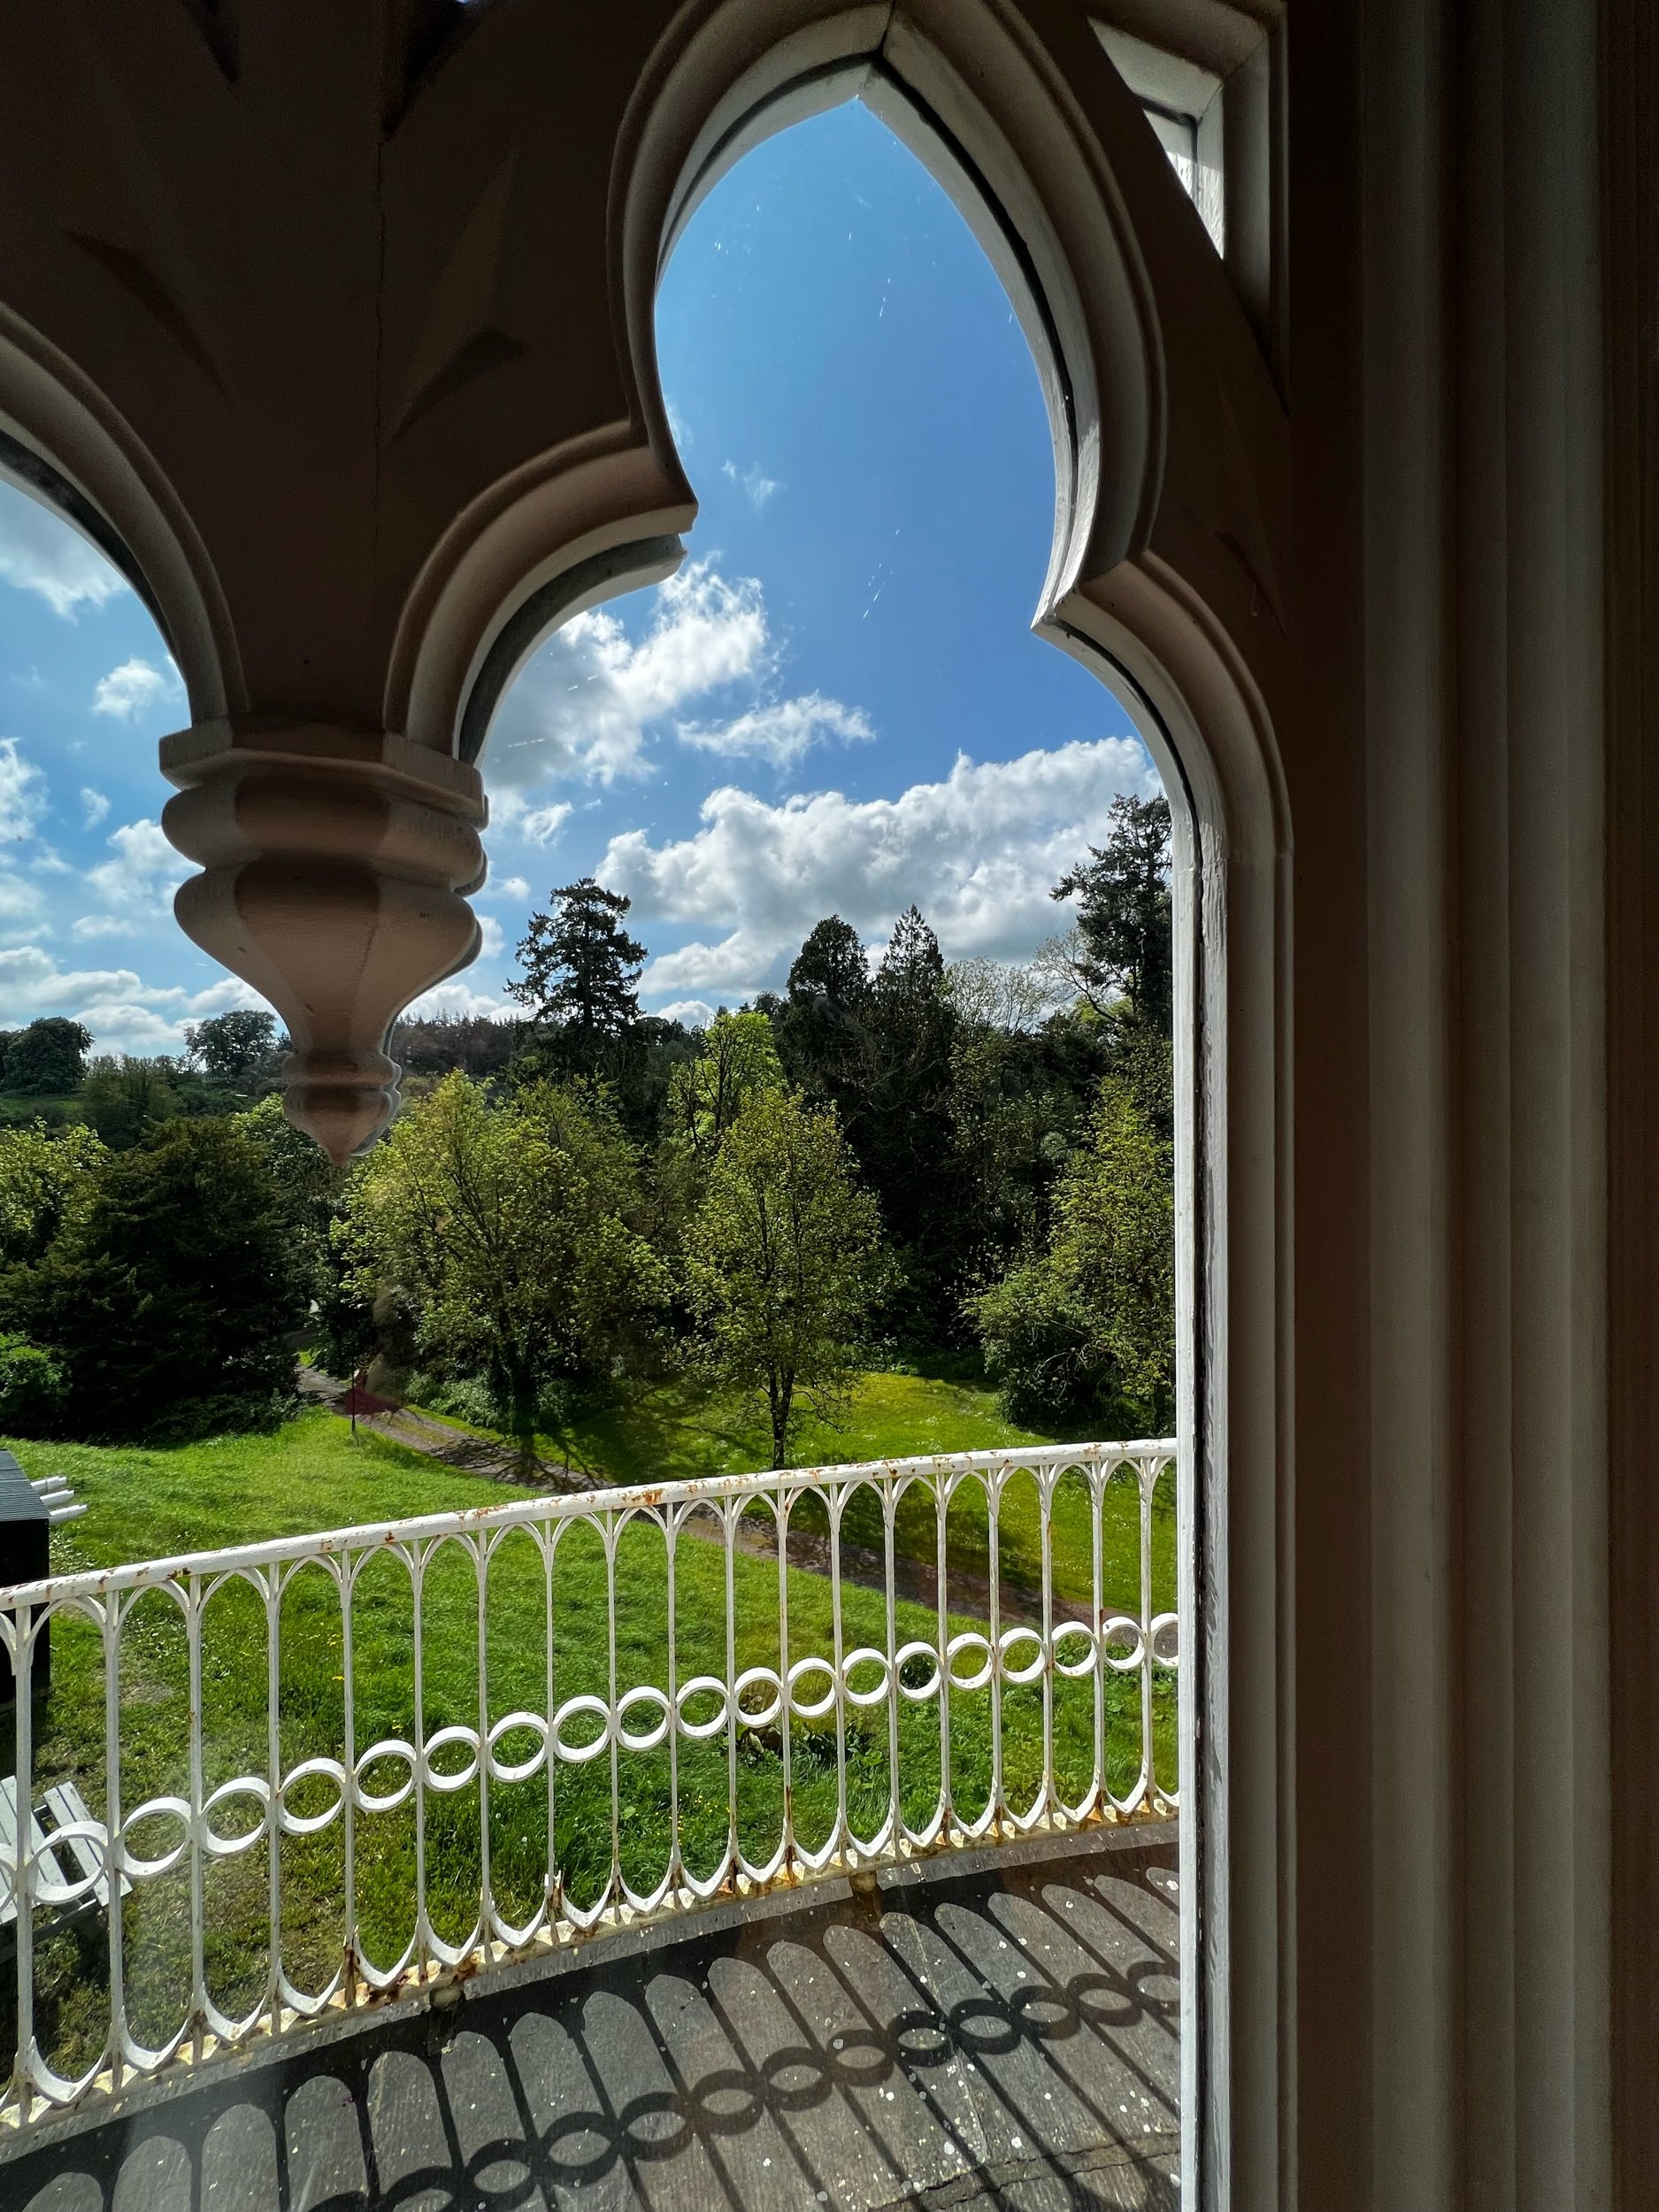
(323, 1772)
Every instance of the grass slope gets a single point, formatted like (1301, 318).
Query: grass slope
(308, 1476)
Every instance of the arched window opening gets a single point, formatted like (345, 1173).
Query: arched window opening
(819, 817)
(102, 997)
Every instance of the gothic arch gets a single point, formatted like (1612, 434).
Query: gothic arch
(1163, 577)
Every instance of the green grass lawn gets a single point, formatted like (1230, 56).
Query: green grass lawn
(308, 1476)
(678, 1431)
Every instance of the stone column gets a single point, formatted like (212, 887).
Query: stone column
(335, 865)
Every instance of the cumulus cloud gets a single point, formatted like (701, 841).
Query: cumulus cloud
(510, 887)
(584, 704)
(588, 703)
(124, 1013)
(754, 481)
(456, 998)
(134, 688)
(94, 805)
(696, 1013)
(40, 552)
(780, 731)
(977, 852)
(145, 872)
(22, 794)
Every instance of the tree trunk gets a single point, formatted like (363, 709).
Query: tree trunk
(780, 1393)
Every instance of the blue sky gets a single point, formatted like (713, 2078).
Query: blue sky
(836, 705)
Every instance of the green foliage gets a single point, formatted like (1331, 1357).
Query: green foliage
(47, 1058)
(33, 1389)
(738, 1057)
(581, 967)
(46, 1183)
(171, 1295)
(1091, 1323)
(1123, 914)
(503, 1227)
(237, 1050)
(123, 1099)
(785, 1260)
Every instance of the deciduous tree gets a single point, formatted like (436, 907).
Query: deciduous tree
(503, 1225)
(786, 1263)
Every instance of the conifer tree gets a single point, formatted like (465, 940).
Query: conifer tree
(580, 969)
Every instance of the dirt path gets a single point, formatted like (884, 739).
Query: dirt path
(914, 1581)
(484, 1455)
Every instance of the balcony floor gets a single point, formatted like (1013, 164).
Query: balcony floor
(990, 2035)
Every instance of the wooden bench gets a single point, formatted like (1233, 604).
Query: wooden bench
(60, 1858)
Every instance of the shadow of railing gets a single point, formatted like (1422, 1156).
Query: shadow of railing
(862, 2051)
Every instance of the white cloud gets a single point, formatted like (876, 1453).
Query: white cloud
(134, 688)
(40, 552)
(696, 1013)
(542, 824)
(146, 870)
(493, 942)
(780, 732)
(977, 852)
(87, 926)
(680, 426)
(94, 805)
(458, 998)
(753, 480)
(510, 887)
(22, 794)
(123, 1012)
(583, 705)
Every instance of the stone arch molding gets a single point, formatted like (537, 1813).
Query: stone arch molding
(361, 479)
(724, 80)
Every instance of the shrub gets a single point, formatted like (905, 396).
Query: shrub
(1040, 1350)
(33, 1389)
(171, 1299)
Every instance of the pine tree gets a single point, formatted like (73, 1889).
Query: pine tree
(1123, 916)
(580, 968)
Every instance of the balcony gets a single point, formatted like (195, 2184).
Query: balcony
(692, 1843)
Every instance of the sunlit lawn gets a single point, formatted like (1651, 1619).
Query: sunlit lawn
(309, 1476)
(678, 1431)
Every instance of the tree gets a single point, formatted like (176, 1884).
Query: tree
(906, 1143)
(1124, 914)
(46, 1184)
(124, 1099)
(1088, 1327)
(171, 1299)
(823, 1025)
(784, 1262)
(236, 1049)
(503, 1225)
(581, 967)
(307, 1185)
(48, 1058)
(435, 1044)
(738, 1056)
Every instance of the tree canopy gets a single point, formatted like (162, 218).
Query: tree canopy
(581, 966)
(171, 1295)
(503, 1226)
(1124, 922)
(784, 1262)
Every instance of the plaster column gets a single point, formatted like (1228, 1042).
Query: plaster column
(334, 864)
